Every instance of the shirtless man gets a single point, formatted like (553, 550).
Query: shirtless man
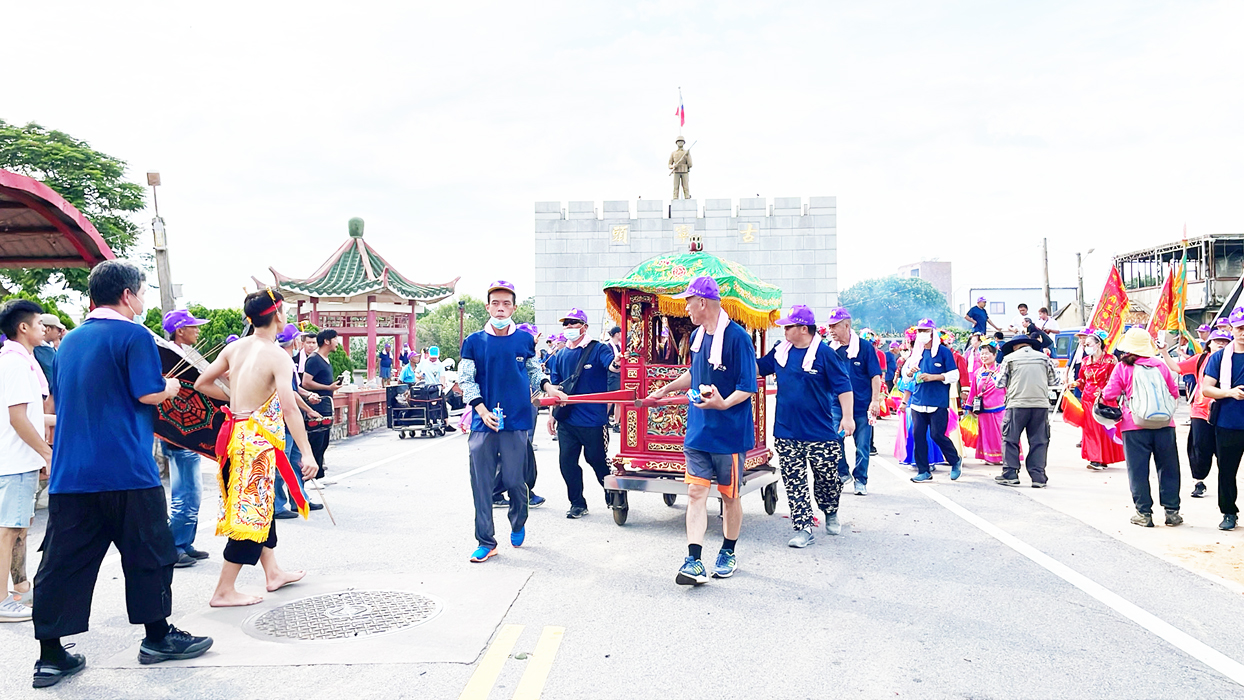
(261, 377)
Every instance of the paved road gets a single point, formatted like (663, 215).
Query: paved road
(956, 590)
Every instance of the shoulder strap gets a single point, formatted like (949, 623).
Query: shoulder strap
(574, 378)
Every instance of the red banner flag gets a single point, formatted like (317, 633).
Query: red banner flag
(1161, 317)
(1108, 314)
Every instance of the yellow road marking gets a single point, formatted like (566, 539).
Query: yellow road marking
(489, 668)
(532, 683)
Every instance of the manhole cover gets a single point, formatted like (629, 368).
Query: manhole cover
(345, 615)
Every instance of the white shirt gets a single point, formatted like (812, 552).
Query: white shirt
(19, 385)
(1018, 323)
(431, 371)
(1048, 325)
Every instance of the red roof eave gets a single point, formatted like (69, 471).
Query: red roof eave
(42, 199)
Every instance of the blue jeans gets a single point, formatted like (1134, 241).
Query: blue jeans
(186, 483)
(283, 500)
(863, 446)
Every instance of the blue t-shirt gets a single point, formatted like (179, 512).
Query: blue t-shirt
(861, 369)
(103, 434)
(386, 361)
(595, 379)
(1230, 411)
(934, 394)
(979, 317)
(805, 400)
(501, 372)
(891, 365)
(730, 431)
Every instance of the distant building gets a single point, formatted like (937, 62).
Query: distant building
(1215, 268)
(1003, 301)
(934, 272)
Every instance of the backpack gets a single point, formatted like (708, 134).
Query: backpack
(1151, 403)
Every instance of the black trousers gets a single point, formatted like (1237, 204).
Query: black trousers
(1201, 448)
(573, 440)
(246, 552)
(1035, 422)
(80, 528)
(1160, 445)
(924, 423)
(319, 445)
(1230, 449)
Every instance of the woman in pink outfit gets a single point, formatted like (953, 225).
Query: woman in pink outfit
(1141, 443)
(992, 404)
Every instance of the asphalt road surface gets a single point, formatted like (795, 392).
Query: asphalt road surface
(952, 590)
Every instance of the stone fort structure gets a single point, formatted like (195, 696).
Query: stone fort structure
(789, 243)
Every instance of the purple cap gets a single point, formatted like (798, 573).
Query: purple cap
(181, 318)
(895, 344)
(799, 315)
(1204, 328)
(1220, 335)
(1223, 321)
(1236, 319)
(925, 324)
(704, 287)
(838, 315)
(574, 315)
(980, 299)
(528, 328)
(232, 337)
(559, 338)
(500, 284)
(288, 334)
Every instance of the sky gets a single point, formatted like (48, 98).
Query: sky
(960, 131)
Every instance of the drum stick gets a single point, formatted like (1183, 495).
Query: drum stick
(316, 483)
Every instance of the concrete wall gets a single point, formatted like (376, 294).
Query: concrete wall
(786, 242)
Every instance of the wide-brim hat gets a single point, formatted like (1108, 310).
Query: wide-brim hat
(1014, 343)
(704, 287)
(1136, 341)
(799, 315)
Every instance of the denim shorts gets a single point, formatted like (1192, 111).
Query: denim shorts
(17, 499)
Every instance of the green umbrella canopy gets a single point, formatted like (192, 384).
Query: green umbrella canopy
(747, 299)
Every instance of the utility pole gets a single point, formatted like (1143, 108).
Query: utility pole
(1080, 287)
(1045, 266)
(164, 275)
(461, 312)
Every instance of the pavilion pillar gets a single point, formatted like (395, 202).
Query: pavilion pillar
(371, 337)
(412, 325)
(298, 314)
(315, 311)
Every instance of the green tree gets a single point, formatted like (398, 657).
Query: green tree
(439, 324)
(221, 324)
(893, 304)
(48, 304)
(93, 182)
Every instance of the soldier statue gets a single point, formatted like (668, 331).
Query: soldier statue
(680, 167)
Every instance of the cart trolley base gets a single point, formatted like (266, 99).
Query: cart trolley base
(763, 478)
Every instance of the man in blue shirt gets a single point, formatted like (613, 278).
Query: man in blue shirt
(978, 317)
(185, 479)
(104, 487)
(1223, 381)
(860, 359)
(720, 427)
(386, 362)
(583, 367)
(810, 377)
(934, 372)
(498, 374)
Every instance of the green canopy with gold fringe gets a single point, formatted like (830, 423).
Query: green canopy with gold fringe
(749, 300)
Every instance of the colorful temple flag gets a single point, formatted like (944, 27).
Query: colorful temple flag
(681, 112)
(1073, 410)
(1110, 309)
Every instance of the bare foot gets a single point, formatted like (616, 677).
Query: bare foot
(283, 579)
(233, 599)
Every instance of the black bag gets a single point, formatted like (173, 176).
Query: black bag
(1113, 414)
(567, 386)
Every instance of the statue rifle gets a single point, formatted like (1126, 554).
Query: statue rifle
(684, 155)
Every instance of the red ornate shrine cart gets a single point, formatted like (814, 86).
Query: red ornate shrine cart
(657, 336)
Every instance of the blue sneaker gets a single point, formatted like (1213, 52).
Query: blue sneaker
(956, 470)
(536, 501)
(482, 554)
(692, 573)
(725, 566)
(922, 477)
(516, 538)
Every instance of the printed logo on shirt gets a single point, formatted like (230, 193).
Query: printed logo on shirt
(937, 364)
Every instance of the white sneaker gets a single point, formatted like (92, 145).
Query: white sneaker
(13, 611)
(860, 489)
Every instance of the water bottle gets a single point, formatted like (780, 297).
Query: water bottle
(500, 414)
(693, 395)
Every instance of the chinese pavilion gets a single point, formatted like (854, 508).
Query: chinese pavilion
(356, 292)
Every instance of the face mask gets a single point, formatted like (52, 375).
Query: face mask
(572, 334)
(924, 337)
(138, 314)
(500, 323)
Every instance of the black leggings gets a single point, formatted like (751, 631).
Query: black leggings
(922, 423)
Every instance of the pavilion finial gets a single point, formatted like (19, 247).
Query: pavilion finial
(356, 227)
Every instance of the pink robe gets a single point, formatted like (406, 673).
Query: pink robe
(989, 419)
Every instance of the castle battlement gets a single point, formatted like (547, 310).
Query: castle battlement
(580, 245)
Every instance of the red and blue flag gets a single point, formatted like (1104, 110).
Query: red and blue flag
(681, 112)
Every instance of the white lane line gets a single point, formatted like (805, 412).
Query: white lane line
(394, 458)
(1184, 642)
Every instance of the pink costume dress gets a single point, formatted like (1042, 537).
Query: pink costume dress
(989, 417)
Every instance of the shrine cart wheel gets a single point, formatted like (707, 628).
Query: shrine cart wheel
(621, 509)
(769, 495)
(669, 498)
(401, 435)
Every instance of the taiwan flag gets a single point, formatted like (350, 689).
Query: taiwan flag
(681, 112)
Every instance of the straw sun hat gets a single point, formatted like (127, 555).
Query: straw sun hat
(1137, 342)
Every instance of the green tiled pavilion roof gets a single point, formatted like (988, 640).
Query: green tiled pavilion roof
(357, 270)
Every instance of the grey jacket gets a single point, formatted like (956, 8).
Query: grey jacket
(1027, 376)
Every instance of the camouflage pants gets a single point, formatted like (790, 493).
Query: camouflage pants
(795, 456)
